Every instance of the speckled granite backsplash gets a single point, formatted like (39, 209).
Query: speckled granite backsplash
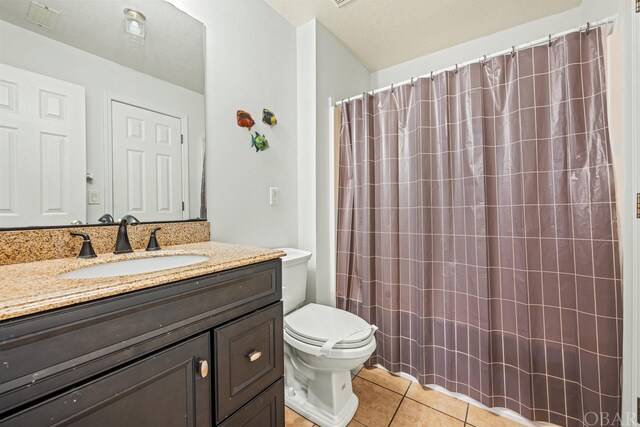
(52, 243)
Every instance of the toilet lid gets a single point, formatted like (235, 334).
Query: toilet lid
(318, 324)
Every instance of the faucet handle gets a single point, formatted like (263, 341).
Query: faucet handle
(153, 241)
(87, 249)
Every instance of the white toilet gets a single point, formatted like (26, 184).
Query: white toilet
(322, 345)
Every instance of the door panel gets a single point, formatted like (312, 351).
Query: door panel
(147, 164)
(164, 389)
(42, 150)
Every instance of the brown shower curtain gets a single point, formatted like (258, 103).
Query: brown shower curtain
(477, 230)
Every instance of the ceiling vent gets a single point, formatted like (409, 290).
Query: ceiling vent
(43, 16)
(341, 3)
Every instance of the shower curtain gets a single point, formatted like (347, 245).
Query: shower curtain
(477, 230)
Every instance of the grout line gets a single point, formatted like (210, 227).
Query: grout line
(466, 416)
(375, 383)
(438, 410)
(408, 387)
(389, 374)
(396, 411)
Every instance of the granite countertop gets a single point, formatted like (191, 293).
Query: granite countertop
(33, 287)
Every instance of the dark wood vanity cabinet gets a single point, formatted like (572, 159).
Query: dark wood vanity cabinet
(162, 389)
(200, 352)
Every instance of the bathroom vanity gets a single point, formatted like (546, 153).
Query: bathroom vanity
(199, 351)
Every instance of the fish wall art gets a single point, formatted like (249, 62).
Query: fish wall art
(268, 118)
(245, 120)
(259, 142)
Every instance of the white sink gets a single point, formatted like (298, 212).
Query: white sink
(134, 266)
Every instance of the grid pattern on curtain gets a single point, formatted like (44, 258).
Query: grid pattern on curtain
(477, 230)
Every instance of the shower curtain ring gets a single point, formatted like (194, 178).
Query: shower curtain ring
(588, 28)
(411, 81)
(456, 70)
(391, 87)
(484, 60)
(549, 40)
(513, 51)
(432, 76)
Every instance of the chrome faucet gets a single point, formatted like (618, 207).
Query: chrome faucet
(123, 245)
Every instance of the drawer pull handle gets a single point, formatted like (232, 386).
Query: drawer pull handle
(254, 355)
(203, 368)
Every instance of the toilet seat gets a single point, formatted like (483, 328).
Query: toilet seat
(324, 329)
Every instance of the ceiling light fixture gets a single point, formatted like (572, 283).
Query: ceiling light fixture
(42, 15)
(134, 24)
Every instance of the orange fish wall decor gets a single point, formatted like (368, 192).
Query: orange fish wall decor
(245, 120)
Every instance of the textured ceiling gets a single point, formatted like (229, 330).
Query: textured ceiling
(382, 33)
(173, 49)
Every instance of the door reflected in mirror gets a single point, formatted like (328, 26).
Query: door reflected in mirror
(101, 112)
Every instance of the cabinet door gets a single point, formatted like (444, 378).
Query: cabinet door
(266, 410)
(168, 388)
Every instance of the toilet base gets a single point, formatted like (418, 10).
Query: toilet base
(297, 401)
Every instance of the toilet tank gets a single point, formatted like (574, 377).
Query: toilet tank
(294, 277)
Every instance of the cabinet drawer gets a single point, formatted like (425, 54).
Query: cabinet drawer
(266, 410)
(248, 358)
(165, 388)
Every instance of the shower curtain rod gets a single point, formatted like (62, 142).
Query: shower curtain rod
(587, 27)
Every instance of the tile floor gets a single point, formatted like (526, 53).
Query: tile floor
(390, 400)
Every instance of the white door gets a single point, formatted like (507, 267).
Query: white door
(147, 164)
(42, 150)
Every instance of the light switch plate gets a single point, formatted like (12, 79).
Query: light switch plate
(94, 197)
(274, 196)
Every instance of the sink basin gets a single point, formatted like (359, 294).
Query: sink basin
(134, 266)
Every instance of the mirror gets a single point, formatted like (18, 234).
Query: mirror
(101, 112)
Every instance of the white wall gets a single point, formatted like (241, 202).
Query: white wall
(39, 54)
(590, 10)
(251, 65)
(338, 75)
(307, 127)
(326, 70)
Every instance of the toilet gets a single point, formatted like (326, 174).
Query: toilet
(322, 345)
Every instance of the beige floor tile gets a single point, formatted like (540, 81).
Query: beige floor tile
(481, 418)
(440, 401)
(414, 414)
(385, 379)
(293, 419)
(377, 404)
(355, 423)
